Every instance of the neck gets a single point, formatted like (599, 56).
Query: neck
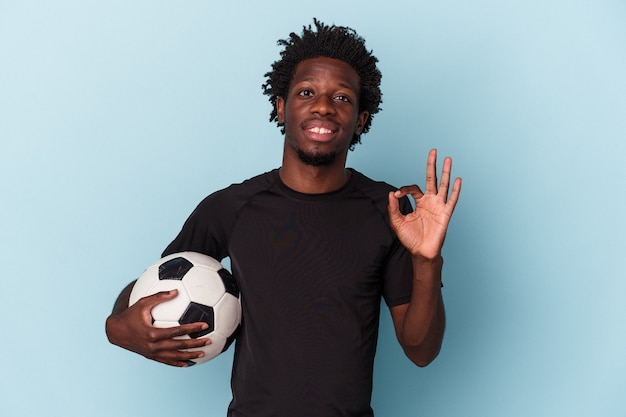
(309, 179)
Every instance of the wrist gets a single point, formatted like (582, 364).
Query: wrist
(419, 259)
(427, 271)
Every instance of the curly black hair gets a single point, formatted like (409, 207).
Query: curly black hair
(337, 42)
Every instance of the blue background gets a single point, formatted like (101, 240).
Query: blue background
(117, 117)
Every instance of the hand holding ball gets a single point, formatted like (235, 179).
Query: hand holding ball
(207, 292)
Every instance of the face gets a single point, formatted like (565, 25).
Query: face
(321, 111)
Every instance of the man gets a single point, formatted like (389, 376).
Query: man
(314, 246)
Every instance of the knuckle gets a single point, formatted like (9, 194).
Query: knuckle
(153, 336)
(152, 349)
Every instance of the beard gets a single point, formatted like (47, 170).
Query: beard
(317, 159)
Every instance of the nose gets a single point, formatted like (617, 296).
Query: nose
(323, 105)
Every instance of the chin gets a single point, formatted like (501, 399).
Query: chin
(317, 159)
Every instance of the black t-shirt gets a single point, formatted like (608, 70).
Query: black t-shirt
(312, 270)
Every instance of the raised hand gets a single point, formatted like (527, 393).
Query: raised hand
(423, 231)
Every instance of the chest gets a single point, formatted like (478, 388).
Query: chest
(310, 251)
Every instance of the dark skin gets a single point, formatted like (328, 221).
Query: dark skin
(320, 115)
(131, 328)
(420, 324)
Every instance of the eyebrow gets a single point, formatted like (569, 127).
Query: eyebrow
(341, 84)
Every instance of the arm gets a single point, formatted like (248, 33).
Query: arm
(419, 324)
(131, 328)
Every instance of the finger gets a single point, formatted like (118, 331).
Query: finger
(145, 305)
(445, 178)
(179, 358)
(431, 172)
(177, 350)
(152, 300)
(394, 207)
(454, 195)
(171, 346)
(178, 364)
(413, 190)
(184, 330)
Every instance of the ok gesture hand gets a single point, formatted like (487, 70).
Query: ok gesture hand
(423, 231)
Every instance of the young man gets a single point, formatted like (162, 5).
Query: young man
(314, 246)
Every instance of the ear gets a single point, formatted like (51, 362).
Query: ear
(360, 122)
(280, 110)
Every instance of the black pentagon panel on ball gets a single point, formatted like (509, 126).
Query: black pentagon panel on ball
(196, 313)
(230, 284)
(230, 339)
(174, 268)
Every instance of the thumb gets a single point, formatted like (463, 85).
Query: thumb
(152, 300)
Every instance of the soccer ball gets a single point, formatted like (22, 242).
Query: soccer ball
(206, 292)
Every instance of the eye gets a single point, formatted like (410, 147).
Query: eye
(342, 97)
(305, 93)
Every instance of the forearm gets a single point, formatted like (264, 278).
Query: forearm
(423, 324)
(121, 303)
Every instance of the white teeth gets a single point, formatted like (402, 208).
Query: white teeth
(320, 130)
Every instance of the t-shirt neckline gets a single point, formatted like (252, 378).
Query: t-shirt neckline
(314, 197)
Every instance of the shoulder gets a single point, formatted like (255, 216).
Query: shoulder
(227, 202)
(378, 191)
(369, 185)
(258, 182)
(208, 228)
(237, 192)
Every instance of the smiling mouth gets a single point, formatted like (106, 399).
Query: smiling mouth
(320, 130)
